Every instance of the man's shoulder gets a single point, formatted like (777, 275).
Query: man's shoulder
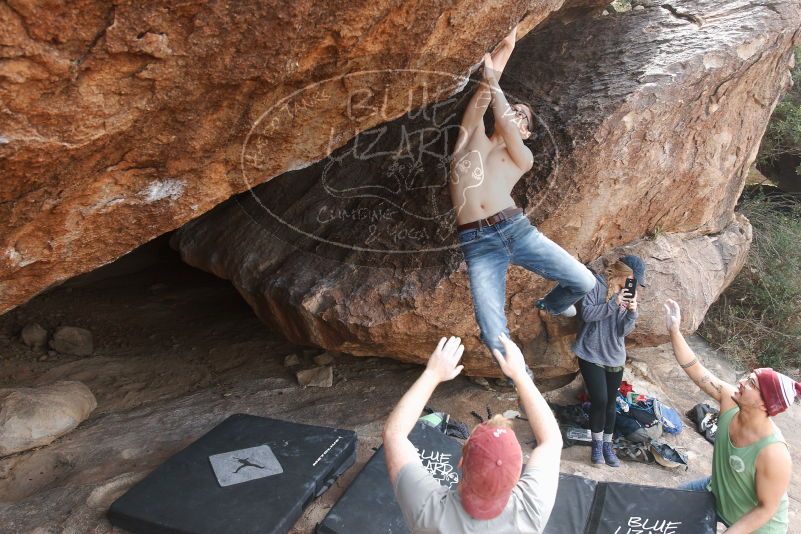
(417, 491)
(416, 475)
(537, 479)
(534, 495)
(776, 455)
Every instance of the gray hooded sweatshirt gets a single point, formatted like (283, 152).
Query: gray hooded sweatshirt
(604, 327)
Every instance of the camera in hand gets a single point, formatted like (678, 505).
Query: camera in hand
(629, 289)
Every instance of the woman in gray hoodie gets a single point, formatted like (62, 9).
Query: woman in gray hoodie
(608, 316)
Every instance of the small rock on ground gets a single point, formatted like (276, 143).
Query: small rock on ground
(321, 377)
(325, 358)
(481, 381)
(72, 340)
(290, 360)
(34, 336)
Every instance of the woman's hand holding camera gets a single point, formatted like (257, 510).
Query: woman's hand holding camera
(623, 301)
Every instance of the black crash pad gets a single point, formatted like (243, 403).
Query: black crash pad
(369, 505)
(185, 495)
(634, 509)
(582, 506)
(573, 505)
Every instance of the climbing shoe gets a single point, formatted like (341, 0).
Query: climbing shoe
(597, 453)
(569, 312)
(610, 457)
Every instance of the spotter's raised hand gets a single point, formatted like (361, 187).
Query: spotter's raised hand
(444, 361)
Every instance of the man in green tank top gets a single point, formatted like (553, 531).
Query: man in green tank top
(751, 464)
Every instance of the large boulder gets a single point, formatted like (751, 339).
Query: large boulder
(32, 417)
(691, 269)
(121, 121)
(648, 123)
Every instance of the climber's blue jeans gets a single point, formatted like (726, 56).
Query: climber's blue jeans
(700, 484)
(491, 249)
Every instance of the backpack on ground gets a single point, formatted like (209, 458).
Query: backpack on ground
(706, 420)
(639, 424)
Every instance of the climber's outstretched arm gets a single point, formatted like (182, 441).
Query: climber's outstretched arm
(473, 118)
(711, 385)
(505, 123)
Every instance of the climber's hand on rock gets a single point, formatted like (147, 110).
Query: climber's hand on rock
(672, 315)
(443, 364)
(511, 38)
(513, 364)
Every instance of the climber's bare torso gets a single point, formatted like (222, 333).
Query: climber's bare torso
(484, 169)
(482, 177)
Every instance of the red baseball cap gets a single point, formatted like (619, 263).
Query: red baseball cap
(491, 464)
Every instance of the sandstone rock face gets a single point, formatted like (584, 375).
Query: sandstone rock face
(648, 123)
(32, 417)
(121, 121)
(692, 270)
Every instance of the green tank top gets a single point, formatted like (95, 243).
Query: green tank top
(734, 478)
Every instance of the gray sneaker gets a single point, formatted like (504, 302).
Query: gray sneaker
(569, 312)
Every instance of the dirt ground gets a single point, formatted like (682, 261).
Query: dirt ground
(177, 351)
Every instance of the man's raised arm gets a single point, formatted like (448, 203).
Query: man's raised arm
(540, 417)
(443, 364)
(711, 385)
(501, 54)
(505, 120)
(474, 113)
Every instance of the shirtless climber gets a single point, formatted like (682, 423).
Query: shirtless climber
(492, 231)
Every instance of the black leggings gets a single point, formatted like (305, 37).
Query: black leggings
(602, 387)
